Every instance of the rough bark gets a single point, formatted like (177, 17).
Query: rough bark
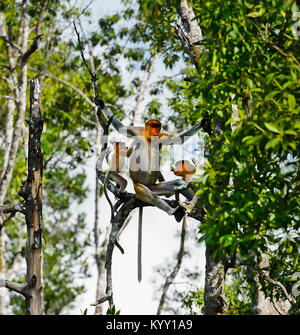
(17, 51)
(191, 36)
(31, 191)
(214, 289)
(261, 304)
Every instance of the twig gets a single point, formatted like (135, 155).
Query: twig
(284, 53)
(20, 207)
(76, 89)
(12, 44)
(265, 38)
(4, 221)
(103, 299)
(37, 37)
(290, 298)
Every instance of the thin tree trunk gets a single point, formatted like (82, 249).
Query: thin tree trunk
(3, 291)
(143, 90)
(12, 138)
(31, 191)
(100, 251)
(214, 289)
(18, 82)
(261, 305)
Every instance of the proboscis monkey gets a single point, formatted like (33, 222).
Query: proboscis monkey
(145, 165)
(184, 169)
(116, 164)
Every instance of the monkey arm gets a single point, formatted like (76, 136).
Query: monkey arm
(190, 132)
(184, 135)
(117, 124)
(180, 138)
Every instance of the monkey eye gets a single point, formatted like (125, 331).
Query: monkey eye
(155, 125)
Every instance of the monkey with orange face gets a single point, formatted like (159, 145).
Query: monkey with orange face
(144, 166)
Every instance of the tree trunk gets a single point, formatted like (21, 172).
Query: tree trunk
(214, 290)
(13, 134)
(261, 305)
(31, 191)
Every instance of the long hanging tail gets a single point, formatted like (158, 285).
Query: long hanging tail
(140, 244)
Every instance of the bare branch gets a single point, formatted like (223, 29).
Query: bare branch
(16, 287)
(41, 16)
(103, 299)
(20, 207)
(11, 43)
(191, 38)
(35, 44)
(8, 97)
(264, 274)
(73, 87)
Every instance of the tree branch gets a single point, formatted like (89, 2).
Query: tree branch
(35, 44)
(284, 53)
(290, 298)
(16, 287)
(20, 207)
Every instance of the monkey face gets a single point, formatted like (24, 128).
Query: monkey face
(152, 128)
(183, 168)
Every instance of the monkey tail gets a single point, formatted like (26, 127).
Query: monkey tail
(107, 197)
(140, 244)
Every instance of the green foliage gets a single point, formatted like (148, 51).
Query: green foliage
(238, 293)
(249, 187)
(112, 311)
(193, 301)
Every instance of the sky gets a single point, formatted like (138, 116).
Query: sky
(160, 240)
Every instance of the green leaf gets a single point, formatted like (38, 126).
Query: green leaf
(227, 240)
(256, 14)
(272, 127)
(273, 143)
(292, 102)
(253, 139)
(292, 145)
(290, 132)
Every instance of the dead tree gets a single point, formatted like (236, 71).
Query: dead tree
(31, 207)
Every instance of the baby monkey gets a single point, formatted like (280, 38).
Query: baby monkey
(116, 165)
(184, 169)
